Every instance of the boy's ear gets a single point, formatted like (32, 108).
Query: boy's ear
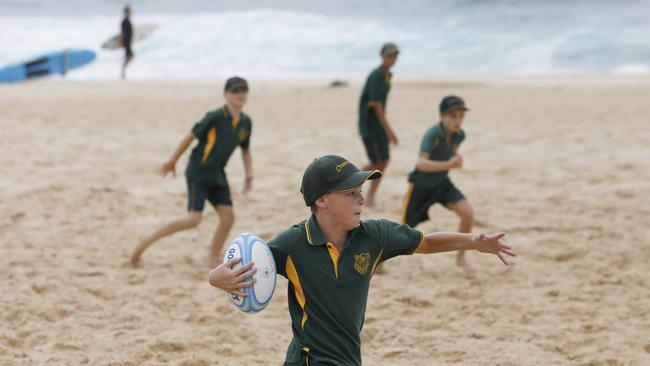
(320, 202)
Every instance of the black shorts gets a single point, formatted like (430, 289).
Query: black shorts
(418, 200)
(377, 147)
(127, 50)
(197, 194)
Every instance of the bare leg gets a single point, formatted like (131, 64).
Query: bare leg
(192, 220)
(466, 214)
(226, 220)
(374, 184)
(127, 59)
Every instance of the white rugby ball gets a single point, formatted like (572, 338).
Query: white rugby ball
(250, 247)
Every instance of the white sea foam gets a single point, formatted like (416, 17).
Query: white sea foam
(435, 39)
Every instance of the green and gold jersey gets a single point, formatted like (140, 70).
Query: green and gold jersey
(436, 145)
(219, 134)
(375, 92)
(328, 289)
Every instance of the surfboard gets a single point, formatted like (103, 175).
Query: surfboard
(52, 63)
(140, 32)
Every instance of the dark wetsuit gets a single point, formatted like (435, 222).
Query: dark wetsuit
(127, 35)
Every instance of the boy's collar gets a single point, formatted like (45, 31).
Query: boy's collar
(443, 132)
(227, 113)
(315, 235)
(384, 70)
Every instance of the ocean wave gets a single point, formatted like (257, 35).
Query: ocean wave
(279, 43)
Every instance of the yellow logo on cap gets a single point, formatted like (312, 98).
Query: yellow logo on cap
(341, 166)
(361, 263)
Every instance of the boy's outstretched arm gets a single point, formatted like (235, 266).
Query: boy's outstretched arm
(448, 242)
(170, 166)
(248, 168)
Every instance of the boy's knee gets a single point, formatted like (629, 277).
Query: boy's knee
(193, 220)
(227, 215)
(467, 215)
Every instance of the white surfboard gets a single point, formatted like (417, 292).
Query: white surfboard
(140, 32)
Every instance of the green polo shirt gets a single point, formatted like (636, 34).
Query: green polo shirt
(328, 290)
(436, 145)
(219, 135)
(375, 92)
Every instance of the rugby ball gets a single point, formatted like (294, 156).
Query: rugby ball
(250, 247)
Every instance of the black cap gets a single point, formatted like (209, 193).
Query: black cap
(389, 49)
(234, 83)
(451, 103)
(332, 173)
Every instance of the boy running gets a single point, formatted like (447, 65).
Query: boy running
(373, 126)
(429, 182)
(330, 258)
(218, 134)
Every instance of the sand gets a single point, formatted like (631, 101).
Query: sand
(562, 164)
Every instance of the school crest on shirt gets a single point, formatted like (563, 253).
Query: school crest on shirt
(361, 263)
(243, 134)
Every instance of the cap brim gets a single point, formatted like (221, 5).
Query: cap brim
(357, 179)
(237, 85)
(455, 108)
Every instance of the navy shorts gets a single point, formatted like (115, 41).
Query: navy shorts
(418, 200)
(377, 148)
(197, 194)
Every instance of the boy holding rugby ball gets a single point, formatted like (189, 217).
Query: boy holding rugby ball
(330, 258)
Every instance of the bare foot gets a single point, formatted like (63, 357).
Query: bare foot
(469, 270)
(135, 260)
(135, 257)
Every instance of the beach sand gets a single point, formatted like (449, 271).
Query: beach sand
(561, 164)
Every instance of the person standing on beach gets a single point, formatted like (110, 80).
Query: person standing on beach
(219, 133)
(429, 183)
(374, 128)
(126, 36)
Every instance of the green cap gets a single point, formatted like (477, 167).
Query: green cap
(451, 103)
(389, 49)
(332, 173)
(234, 83)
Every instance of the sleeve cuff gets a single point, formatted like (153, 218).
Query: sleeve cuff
(420, 244)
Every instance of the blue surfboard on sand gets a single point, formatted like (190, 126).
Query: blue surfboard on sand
(51, 63)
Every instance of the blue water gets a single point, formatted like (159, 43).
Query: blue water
(259, 38)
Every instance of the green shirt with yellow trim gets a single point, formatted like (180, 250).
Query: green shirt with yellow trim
(375, 92)
(436, 145)
(328, 290)
(219, 135)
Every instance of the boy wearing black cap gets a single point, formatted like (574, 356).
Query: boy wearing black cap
(218, 134)
(374, 128)
(429, 183)
(330, 258)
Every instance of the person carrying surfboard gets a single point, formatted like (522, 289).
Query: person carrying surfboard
(127, 36)
(330, 258)
(219, 133)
